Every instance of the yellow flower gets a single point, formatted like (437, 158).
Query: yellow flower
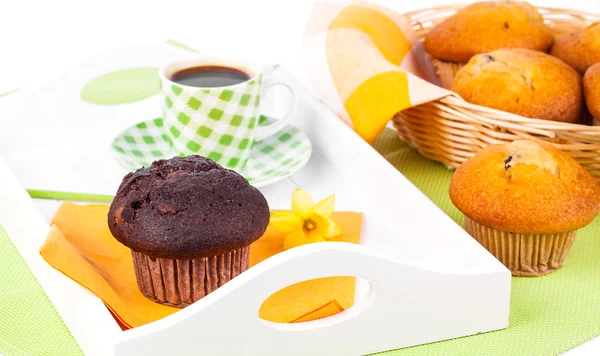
(307, 222)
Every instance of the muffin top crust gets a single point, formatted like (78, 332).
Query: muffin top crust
(525, 187)
(187, 208)
(487, 26)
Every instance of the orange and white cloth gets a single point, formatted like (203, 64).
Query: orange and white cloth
(367, 64)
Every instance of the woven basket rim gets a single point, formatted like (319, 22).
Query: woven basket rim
(454, 99)
(458, 5)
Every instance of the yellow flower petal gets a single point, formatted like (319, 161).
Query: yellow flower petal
(285, 222)
(302, 203)
(321, 224)
(314, 236)
(333, 229)
(325, 207)
(294, 239)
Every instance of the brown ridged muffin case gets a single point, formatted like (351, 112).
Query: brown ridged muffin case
(180, 283)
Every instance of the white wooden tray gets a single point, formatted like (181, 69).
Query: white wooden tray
(426, 279)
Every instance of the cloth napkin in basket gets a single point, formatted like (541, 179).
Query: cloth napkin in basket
(81, 246)
(367, 64)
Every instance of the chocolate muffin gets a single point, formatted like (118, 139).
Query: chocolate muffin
(189, 224)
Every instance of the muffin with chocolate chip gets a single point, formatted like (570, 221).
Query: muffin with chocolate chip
(483, 27)
(189, 224)
(524, 202)
(523, 82)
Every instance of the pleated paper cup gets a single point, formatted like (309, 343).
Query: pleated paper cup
(446, 71)
(179, 283)
(525, 255)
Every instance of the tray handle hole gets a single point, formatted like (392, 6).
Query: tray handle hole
(316, 303)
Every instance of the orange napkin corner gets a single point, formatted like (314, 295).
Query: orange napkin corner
(81, 246)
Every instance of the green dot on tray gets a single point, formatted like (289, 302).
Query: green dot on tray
(122, 86)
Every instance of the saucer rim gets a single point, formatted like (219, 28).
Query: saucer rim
(257, 184)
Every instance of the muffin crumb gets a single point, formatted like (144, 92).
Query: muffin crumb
(528, 152)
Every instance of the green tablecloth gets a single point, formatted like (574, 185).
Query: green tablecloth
(29, 324)
(549, 315)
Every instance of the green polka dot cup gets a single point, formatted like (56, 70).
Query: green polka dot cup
(220, 123)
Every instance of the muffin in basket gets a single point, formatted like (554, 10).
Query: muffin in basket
(524, 202)
(524, 82)
(591, 88)
(484, 27)
(580, 49)
(189, 224)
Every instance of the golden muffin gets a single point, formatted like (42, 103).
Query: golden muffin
(579, 49)
(488, 26)
(524, 202)
(591, 89)
(524, 82)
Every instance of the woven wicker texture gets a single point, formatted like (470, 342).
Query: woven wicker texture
(451, 130)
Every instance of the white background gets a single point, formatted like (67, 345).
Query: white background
(41, 39)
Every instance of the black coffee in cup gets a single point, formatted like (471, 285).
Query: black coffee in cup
(210, 76)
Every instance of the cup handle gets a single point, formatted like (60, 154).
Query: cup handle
(263, 132)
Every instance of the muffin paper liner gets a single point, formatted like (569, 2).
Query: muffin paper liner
(446, 71)
(524, 255)
(180, 283)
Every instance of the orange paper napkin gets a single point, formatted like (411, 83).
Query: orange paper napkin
(81, 246)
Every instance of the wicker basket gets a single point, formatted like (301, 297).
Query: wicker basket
(450, 130)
